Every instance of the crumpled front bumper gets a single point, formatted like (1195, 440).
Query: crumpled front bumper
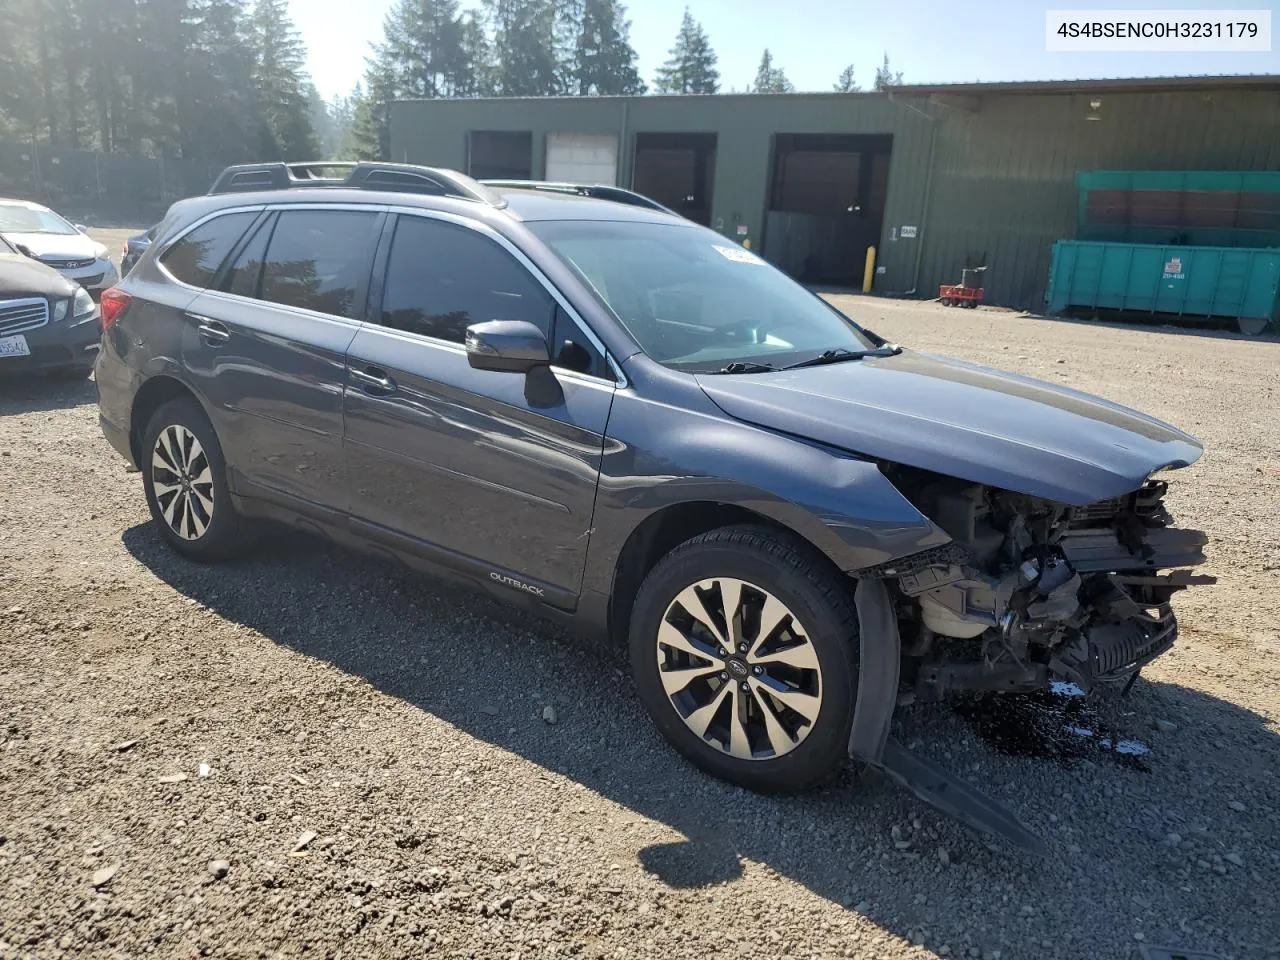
(880, 650)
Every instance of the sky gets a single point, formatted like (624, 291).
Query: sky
(930, 41)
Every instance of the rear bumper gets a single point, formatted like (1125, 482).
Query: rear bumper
(116, 386)
(118, 437)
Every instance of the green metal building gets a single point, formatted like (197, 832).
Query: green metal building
(937, 178)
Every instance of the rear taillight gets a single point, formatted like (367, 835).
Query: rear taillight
(113, 303)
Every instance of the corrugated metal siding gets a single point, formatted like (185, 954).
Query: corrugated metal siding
(1003, 176)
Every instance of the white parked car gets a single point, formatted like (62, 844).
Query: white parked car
(40, 233)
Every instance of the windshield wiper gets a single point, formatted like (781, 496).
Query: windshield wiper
(745, 366)
(841, 354)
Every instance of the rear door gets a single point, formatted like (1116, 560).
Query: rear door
(492, 473)
(267, 346)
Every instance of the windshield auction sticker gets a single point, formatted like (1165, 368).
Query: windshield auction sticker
(1158, 31)
(737, 254)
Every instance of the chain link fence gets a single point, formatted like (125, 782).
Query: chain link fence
(101, 186)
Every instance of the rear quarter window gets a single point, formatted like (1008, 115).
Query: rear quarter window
(195, 258)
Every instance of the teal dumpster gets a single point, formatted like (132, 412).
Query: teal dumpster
(1188, 207)
(1237, 283)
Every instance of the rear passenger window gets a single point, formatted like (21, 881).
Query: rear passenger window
(441, 278)
(196, 257)
(242, 277)
(319, 259)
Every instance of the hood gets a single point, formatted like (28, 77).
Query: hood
(69, 246)
(962, 420)
(22, 276)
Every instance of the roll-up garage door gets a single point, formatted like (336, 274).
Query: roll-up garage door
(582, 158)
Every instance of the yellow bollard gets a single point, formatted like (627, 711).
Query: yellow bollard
(869, 271)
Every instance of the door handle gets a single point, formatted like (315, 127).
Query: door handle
(210, 330)
(372, 380)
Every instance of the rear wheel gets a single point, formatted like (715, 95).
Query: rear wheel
(744, 647)
(184, 477)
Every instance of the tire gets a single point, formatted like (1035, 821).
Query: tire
(802, 746)
(196, 518)
(1252, 326)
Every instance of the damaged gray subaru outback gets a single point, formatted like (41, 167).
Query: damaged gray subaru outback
(627, 423)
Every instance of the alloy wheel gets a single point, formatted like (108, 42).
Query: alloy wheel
(182, 481)
(739, 668)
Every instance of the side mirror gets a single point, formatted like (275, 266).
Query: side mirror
(24, 250)
(514, 346)
(81, 227)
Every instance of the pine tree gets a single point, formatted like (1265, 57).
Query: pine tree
(202, 79)
(423, 40)
(604, 62)
(217, 101)
(69, 40)
(846, 83)
(885, 77)
(284, 126)
(371, 112)
(19, 96)
(104, 33)
(336, 143)
(771, 79)
(322, 121)
(527, 40)
(477, 55)
(570, 16)
(691, 67)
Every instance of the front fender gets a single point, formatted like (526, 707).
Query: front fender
(658, 456)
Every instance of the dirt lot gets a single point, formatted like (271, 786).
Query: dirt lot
(156, 716)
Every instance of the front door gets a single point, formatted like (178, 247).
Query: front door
(268, 346)
(492, 473)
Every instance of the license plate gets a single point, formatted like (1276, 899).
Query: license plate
(14, 346)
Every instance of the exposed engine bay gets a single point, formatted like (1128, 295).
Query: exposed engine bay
(1031, 590)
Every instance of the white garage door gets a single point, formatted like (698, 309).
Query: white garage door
(582, 157)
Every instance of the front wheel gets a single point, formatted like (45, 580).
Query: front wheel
(744, 648)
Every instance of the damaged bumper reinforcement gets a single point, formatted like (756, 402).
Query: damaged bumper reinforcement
(1027, 591)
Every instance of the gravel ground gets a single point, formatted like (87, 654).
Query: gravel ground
(114, 238)
(312, 753)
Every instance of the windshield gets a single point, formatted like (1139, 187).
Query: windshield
(20, 218)
(696, 301)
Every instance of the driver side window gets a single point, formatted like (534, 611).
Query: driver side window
(441, 278)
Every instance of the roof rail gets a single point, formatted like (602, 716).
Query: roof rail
(598, 191)
(353, 175)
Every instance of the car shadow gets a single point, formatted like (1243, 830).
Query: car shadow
(858, 841)
(1157, 324)
(34, 392)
